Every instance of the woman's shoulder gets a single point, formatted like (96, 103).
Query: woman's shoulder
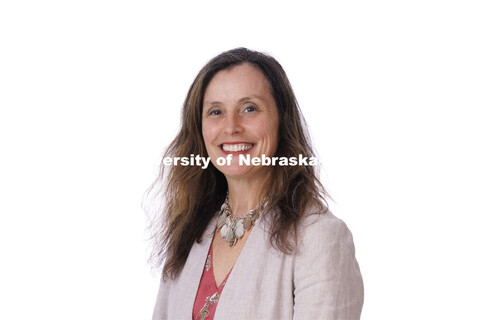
(328, 282)
(319, 215)
(316, 217)
(323, 228)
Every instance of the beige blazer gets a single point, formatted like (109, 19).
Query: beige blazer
(321, 281)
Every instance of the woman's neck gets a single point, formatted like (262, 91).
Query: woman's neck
(244, 195)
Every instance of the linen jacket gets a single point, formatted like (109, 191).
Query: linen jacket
(321, 280)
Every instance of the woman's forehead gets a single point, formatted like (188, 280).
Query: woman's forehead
(237, 83)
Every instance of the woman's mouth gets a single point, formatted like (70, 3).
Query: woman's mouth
(236, 147)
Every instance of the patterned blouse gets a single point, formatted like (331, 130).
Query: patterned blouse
(208, 293)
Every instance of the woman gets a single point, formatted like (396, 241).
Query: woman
(244, 241)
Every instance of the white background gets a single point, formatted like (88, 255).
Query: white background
(90, 94)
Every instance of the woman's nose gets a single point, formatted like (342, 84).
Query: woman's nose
(233, 124)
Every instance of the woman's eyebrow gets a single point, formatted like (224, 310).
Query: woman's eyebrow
(250, 98)
(244, 99)
(211, 102)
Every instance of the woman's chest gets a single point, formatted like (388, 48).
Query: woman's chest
(259, 286)
(224, 256)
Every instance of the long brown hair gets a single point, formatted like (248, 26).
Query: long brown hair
(193, 195)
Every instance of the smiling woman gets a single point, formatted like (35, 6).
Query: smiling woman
(245, 241)
(239, 117)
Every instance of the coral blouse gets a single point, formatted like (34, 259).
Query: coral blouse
(208, 293)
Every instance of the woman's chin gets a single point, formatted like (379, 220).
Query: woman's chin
(234, 171)
(242, 172)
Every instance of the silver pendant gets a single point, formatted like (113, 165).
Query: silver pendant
(233, 228)
(239, 229)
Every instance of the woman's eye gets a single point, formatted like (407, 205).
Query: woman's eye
(214, 112)
(250, 108)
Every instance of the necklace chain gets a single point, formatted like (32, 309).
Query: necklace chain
(233, 228)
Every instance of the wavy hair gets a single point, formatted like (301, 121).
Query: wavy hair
(191, 195)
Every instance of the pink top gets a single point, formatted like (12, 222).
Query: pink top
(208, 293)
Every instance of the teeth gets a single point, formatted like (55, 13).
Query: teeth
(236, 147)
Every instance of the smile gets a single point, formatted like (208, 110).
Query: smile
(236, 147)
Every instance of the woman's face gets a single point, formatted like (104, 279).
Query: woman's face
(239, 116)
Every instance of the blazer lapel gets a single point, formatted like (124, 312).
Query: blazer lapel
(248, 260)
(191, 274)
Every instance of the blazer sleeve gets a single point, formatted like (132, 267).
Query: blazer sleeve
(327, 280)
